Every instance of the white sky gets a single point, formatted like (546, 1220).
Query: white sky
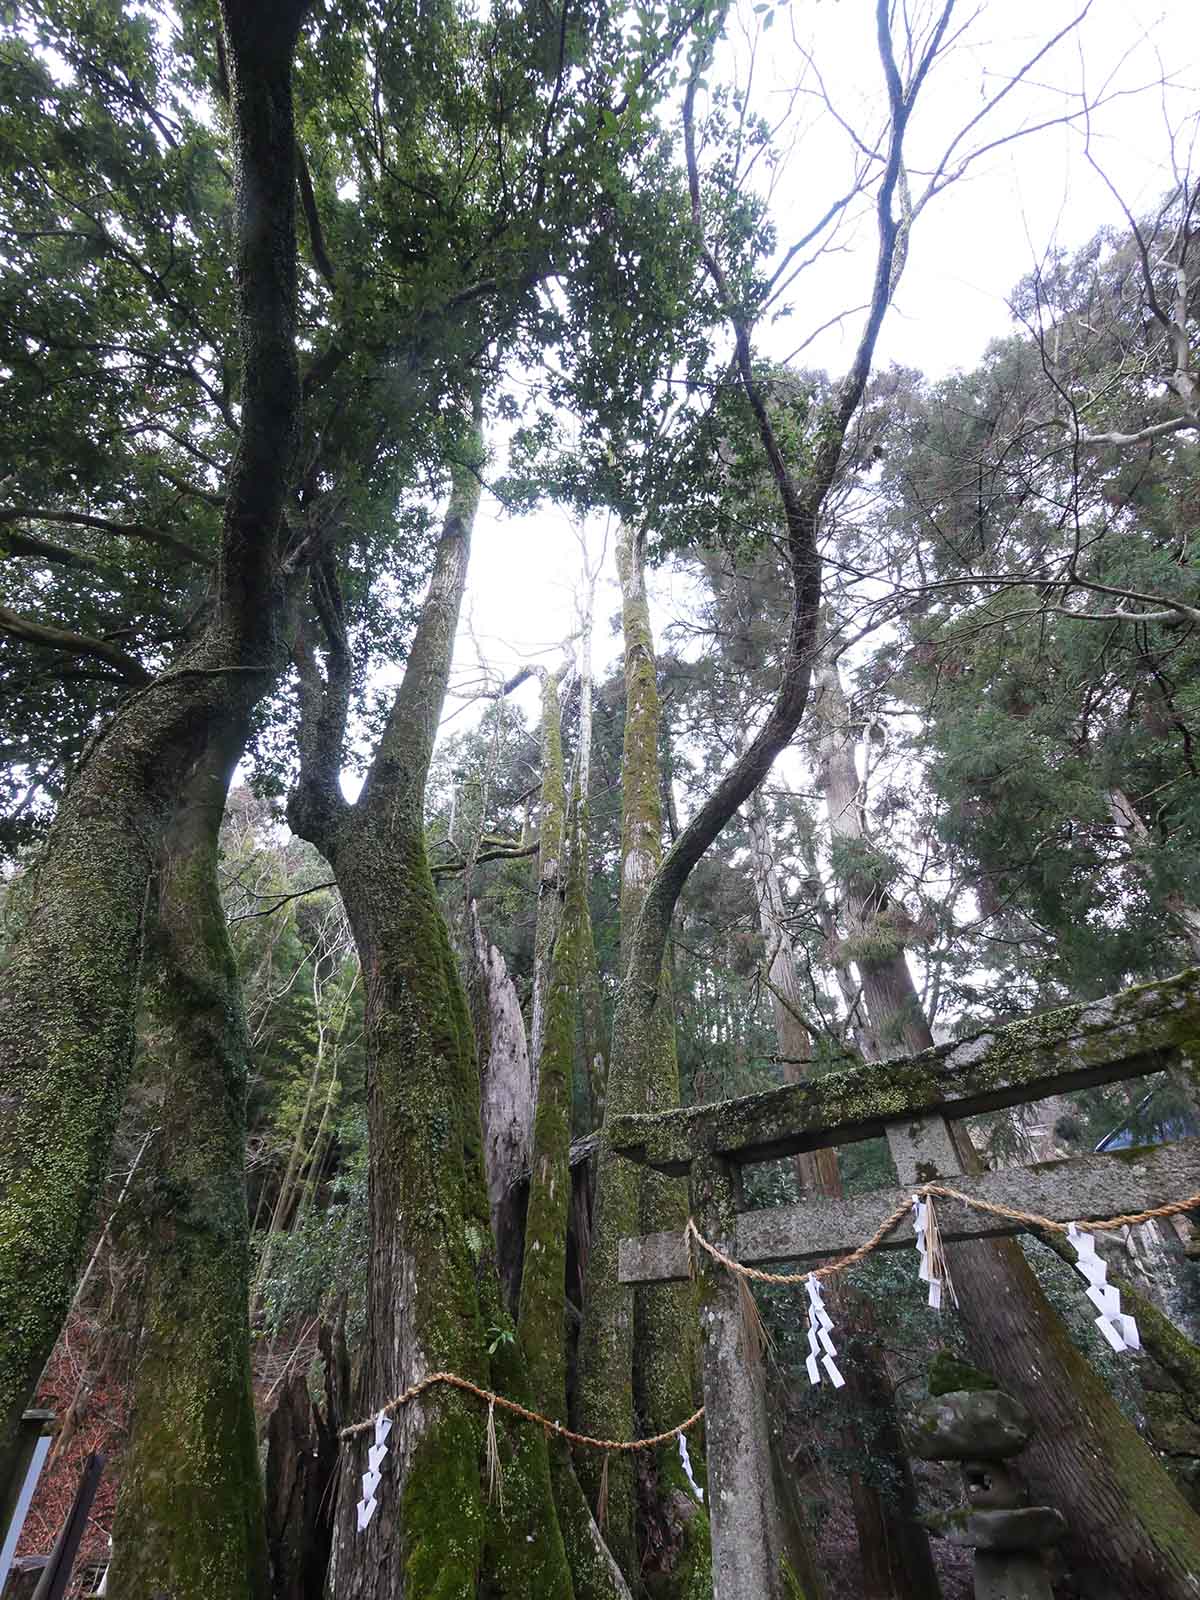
(968, 249)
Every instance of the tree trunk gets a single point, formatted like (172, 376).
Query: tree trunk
(550, 864)
(658, 1322)
(606, 1390)
(593, 1046)
(433, 1298)
(301, 1466)
(542, 1322)
(189, 1523)
(893, 1546)
(67, 995)
(1170, 1380)
(593, 1049)
(505, 1099)
(1128, 820)
(1131, 1535)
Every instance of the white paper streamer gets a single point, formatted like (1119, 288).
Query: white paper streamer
(928, 1272)
(370, 1478)
(687, 1467)
(821, 1348)
(1117, 1326)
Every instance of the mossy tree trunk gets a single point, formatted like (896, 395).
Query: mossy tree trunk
(551, 863)
(893, 1546)
(637, 1352)
(606, 1390)
(190, 1522)
(1170, 1380)
(433, 1293)
(1130, 1533)
(68, 993)
(542, 1321)
(592, 1044)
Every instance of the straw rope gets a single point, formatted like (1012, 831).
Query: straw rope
(892, 1221)
(455, 1382)
(692, 1234)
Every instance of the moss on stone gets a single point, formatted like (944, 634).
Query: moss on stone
(950, 1374)
(1130, 1033)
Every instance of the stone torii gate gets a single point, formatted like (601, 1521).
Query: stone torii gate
(910, 1102)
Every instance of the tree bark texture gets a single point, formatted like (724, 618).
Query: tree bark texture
(1130, 1534)
(67, 995)
(637, 1351)
(592, 1044)
(301, 1468)
(542, 1322)
(189, 1523)
(551, 865)
(505, 1099)
(433, 1296)
(1170, 1380)
(894, 1548)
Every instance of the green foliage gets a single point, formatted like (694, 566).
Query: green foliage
(324, 1258)
(1058, 752)
(117, 371)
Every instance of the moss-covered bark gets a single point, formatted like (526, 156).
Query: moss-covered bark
(1170, 1381)
(542, 1320)
(433, 1293)
(67, 994)
(189, 1522)
(592, 1044)
(551, 863)
(653, 1388)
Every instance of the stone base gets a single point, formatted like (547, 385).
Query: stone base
(1017, 1530)
(1011, 1577)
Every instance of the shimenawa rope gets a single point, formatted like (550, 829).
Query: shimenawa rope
(891, 1222)
(455, 1382)
(692, 1234)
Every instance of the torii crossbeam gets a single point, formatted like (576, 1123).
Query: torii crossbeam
(910, 1101)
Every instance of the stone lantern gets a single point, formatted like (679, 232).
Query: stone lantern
(982, 1428)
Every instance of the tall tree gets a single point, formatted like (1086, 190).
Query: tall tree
(542, 1323)
(190, 1521)
(592, 1044)
(432, 1287)
(659, 1378)
(69, 988)
(801, 489)
(551, 864)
